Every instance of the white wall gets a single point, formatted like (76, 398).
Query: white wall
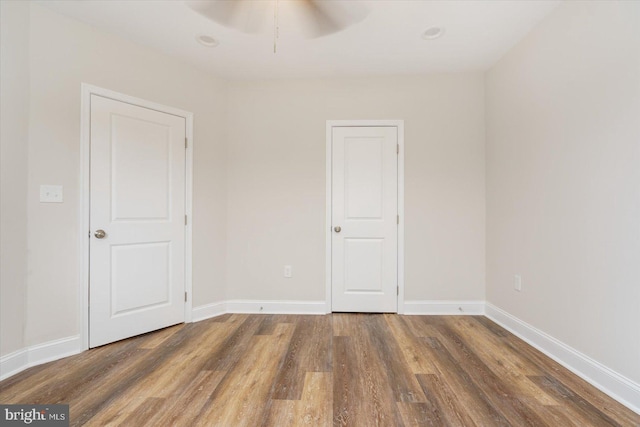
(276, 193)
(14, 134)
(563, 180)
(64, 53)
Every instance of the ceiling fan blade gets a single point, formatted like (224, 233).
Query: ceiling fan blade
(221, 12)
(244, 15)
(319, 17)
(327, 17)
(321, 21)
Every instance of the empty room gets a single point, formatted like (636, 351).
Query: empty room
(320, 212)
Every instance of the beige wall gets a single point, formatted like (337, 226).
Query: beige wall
(269, 204)
(563, 180)
(14, 134)
(562, 175)
(275, 185)
(276, 193)
(64, 53)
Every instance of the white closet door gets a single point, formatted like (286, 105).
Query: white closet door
(364, 219)
(137, 211)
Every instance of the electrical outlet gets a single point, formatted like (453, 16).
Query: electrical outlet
(51, 194)
(517, 282)
(288, 271)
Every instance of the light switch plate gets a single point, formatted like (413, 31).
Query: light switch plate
(51, 194)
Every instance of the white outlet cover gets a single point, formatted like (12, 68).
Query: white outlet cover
(51, 194)
(517, 282)
(288, 271)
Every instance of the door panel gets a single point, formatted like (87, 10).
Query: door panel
(364, 259)
(141, 160)
(363, 178)
(137, 270)
(364, 207)
(140, 276)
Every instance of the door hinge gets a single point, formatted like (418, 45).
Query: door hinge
(397, 148)
(397, 219)
(185, 297)
(398, 290)
(185, 142)
(185, 220)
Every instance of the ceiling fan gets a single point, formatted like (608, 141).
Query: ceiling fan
(318, 17)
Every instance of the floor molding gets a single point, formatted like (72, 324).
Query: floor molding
(608, 381)
(13, 363)
(444, 307)
(276, 307)
(208, 311)
(258, 306)
(20, 360)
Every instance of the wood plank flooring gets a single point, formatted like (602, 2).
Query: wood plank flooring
(339, 369)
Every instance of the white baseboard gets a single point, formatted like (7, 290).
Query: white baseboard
(258, 306)
(20, 360)
(320, 307)
(444, 307)
(13, 363)
(276, 307)
(610, 382)
(208, 311)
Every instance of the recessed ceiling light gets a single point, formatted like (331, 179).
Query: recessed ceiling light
(207, 41)
(433, 33)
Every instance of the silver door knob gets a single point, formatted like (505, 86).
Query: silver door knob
(100, 234)
(337, 229)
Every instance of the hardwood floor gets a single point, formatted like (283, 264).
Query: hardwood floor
(340, 369)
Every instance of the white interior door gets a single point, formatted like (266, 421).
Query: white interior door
(137, 184)
(364, 247)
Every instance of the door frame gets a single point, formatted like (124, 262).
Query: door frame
(399, 124)
(85, 192)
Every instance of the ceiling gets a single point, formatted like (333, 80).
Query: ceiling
(387, 41)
